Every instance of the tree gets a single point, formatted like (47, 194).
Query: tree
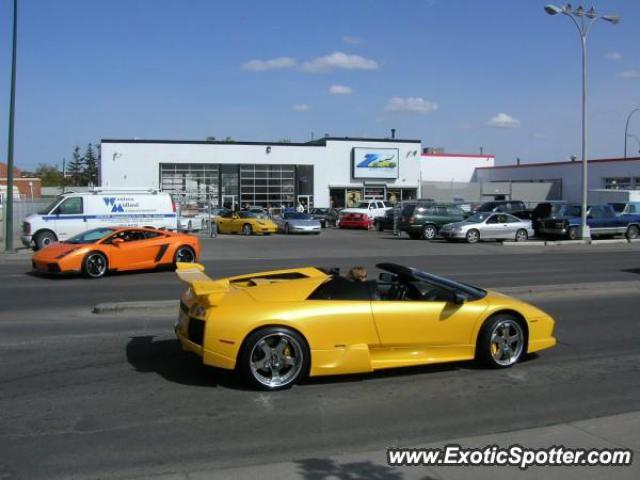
(49, 175)
(90, 166)
(75, 169)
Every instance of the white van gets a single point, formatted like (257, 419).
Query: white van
(72, 213)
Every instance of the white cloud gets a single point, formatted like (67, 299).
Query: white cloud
(615, 56)
(301, 107)
(410, 104)
(340, 90)
(349, 40)
(502, 120)
(630, 74)
(339, 60)
(272, 64)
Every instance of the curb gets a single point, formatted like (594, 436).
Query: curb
(561, 290)
(563, 243)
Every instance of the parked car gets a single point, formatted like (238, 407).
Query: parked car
(425, 219)
(326, 216)
(386, 223)
(488, 226)
(244, 222)
(514, 207)
(372, 208)
(355, 220)
(297, 222)
(73, 213)
(601, 219)
(545, 211)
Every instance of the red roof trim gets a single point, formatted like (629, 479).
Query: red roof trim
(463, 155)
(577, 162)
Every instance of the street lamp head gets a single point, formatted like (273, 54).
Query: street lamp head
(552, 9)
(579, 11)
(591, 13)
(615, 19)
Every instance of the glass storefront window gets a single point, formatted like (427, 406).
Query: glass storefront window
(354, 197)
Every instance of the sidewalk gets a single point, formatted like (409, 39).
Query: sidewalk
(606, 432)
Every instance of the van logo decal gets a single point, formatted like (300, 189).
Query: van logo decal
(116, 207)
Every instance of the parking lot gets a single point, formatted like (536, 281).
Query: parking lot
(113, 395)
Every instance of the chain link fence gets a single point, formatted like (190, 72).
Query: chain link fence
(21, 209)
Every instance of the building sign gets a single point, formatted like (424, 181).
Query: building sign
(375, 163)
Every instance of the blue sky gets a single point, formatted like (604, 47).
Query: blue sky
(457, 74)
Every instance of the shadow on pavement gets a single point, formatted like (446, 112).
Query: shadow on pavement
(167, 359)
(632, 270)
(325, 469)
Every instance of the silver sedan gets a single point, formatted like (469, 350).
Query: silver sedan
(294, 222)
(488, 225)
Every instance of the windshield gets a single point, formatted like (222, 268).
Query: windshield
(297, 216)
(320, 211)
(45, 211)
(247, 215)
(91, 236)
(478, 217)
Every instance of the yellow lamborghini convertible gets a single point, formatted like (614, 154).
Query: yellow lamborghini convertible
(278, 327)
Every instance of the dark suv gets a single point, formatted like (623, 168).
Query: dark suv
(514, 207)
(424, 219)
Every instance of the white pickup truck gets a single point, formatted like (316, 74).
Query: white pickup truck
(373, 208)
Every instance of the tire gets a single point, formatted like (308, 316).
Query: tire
(429, 232)
(473, 236)
(501, 342)
(247, 229)
(184, 254)
(286, 229)
(274, 358)
(95, 265)
(572, 233)
(522, 235)
(633, 232)
(44, 238)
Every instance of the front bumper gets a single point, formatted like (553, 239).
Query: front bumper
(558, 231)
(304, 229)
(54, 268)
(265, 229)
(450, 234)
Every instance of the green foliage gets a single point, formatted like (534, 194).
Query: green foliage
(74, 171)
(90, 164)
(50, 175)
(82, 169)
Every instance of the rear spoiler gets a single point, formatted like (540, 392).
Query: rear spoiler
(193, 275)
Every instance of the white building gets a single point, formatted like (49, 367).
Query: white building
(566, 177)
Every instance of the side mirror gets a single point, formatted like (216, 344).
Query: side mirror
(117, 241)
(459, 298)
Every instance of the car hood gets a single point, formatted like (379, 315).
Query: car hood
(55, 250)
(449, 226)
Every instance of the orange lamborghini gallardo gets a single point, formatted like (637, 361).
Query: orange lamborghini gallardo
(101, 250)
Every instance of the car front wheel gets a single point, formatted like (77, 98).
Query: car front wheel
(94, 265)
(274, 358)
(633, 232)
(430, 232)
(573, 233)
(43, 239)
(246, 229)
(501, 342)
(522, 235)
(473, 236)
(185, 255)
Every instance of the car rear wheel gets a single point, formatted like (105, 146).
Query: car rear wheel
(473, 236)
(572, 233)
(633, 232)
(274, 358)
(247, 229)
(44, 238)
(95, 265)
(185, 255)
(429, 232)
(501, 342)
(522, 235)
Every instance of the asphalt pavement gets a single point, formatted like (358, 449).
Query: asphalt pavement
(113, 396)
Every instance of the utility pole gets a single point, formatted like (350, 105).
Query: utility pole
(8, 217)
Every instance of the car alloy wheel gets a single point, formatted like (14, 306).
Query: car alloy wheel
(246, 229)
(573, 233)
(522, 235)
(185, 255)
(507, 342)
(473, 236)
(95, 265)
(633, 232)
(274, 358)
(429, 232)
(44, 239)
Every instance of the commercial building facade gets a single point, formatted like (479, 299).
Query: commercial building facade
(566, 177)
(334, 172)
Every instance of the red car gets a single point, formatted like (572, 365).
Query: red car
(356, 220)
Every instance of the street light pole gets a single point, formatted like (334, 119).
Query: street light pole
(626, 129)
(584, 26)
(8, 217)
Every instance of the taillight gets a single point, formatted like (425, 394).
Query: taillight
(26, 228)
(173, 205)
(410, 219)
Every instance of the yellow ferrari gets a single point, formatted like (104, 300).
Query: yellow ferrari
(278, 327)
(246, 223)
